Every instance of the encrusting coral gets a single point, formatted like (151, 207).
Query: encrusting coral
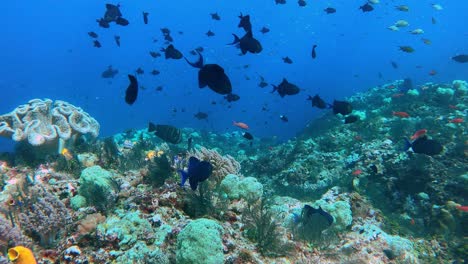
(44, 121)
(21, 255)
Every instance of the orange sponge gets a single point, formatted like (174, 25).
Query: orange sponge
(21, 255)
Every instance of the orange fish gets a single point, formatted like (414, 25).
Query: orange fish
(240, 124)
(418, 133)
(401, 114)
(412, 222)
(432, 72)
(398, 95)
(357, 172)
(463, 208)
(456, 120)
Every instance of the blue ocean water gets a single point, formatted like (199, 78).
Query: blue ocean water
(46, 53)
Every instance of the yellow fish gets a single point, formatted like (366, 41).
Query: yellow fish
(67, 154)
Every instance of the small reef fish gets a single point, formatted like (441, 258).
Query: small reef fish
(93, 34)
(357, 172)
(314, 53)
(172, 53)
(285, 88)
(109, 73)
(264, 30)
(287, 60)
(145, 17)
(97, 44)
(418, 134)
(403, 8)
(67, 154)
(198, 171)
(366, 7)
(398, 95)
(351, 119)
(215, 16)
(426, 41)
(201, 115)
(317, 102)
(432, 72)
(330, 10)
(342, 107)
(407, 49)
(302, 3)
(284, 118)
(167, 133)
(240, 125)
(417, 31)
(401, 114)
(132, 90)
(423, 145)
(401, 23)
(232, 97)
(393, 28)
(21, 255)
(308, 211)
(437, 7)
(463, 58)
(117, 40)
(456, 120)
(247, 135)
(463, 208)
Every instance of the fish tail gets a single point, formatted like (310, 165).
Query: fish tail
(275, 88)
(309, 98)
(236, 40)
(407, 145)
(183, 177)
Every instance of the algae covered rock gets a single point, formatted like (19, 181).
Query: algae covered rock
(98, 188)
(340, 210)
(247, 188)
(200, 243)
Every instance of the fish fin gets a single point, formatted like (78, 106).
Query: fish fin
(236, 40)
(407, 145)
(183, 177)
(244, 51)
(132, 79)
(198, 64)
(275, 88)
(193, 184)
(309, 98)
(151, 127)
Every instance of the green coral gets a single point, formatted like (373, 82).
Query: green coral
(98, 187)
(200, 243)
(247, 188)
(141, 253)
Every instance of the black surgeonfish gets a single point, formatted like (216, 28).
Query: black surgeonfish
(366, 7)
(423, 145)
(212, 75)
(145, 17)
(286, 88)
(317, 102)
(314, 54)
(112, 12)
(247, 43)
(172, 53)
(197, 171)
(463, 58)
(245, 23)
(167, 133)
(341, 107)
(132, 90)
(308, 211)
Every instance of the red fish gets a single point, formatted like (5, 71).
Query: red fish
(357, 172)
(240, 124)
(456, 120)
(418, 133)
(401, 114)
(463, 208)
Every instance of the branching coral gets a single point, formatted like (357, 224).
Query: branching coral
(44, 216)
(222, 165)
(11, 236)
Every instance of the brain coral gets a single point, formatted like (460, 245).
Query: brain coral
(40, 121)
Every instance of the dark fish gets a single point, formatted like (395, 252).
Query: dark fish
(394, 65)
(366, 7)
(302, 3)
(317, 102)
(122, 21)
(284, 118)
(262, 83)
(210, 33)
(165, 31)
(109, 73)
(201, 115)
(406, 85)
(407, 49)
(145, 17)
(93, 34)
(232, 97)
(117, 40)
(97, 44)
(463, 58)
(264, 30)
(423, 145)
(308, 211)
(155, 72)
(287, 60)
(286, 88)
(199, 49)
(212, 75)
(189, 143)
(247, 135)
(245, 23)
(351, 119)
(167, 133)
(314, 54)
(172, 53)
(281, 2)
(168, 38)
(132, 90)
(154, 54)
(433, 20)
(215, 16)
(342, 107)
(197, 171)
(112, 13)
(330, 10)
(103, 23)
(140, 71)
(247, 43)
(159, 88)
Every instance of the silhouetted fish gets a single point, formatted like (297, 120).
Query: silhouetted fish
(286, 88)
(394, 65)
(264, 30)
(197, 171)
(117, 40)
(287, 60)
(167, 133)
(302, 3)
(140, 71)
(154, 54)
(245, 23)
(341, 107)
(109, 73)
(330, 10)
(210, 33)
(351, 119)
(247, 43)
(423, 145)
(317, 102)
(145, 17)
(314, 54)
(247, 135)
(172, 53)
(262, 83)
(281, 2)
(232, 97)
(155, 72)
(366, 7)
(103, 23)
(132, 90)
(308, 211)
(97, 44)
(460, 58)
(284, 118)
(215, 16)
(93, 34)
(213, 76)
(201, 115)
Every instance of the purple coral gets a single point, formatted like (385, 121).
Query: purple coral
(44, 216)
(11, 236)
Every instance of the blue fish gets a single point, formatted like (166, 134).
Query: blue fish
(308, 211)
(198, 171)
